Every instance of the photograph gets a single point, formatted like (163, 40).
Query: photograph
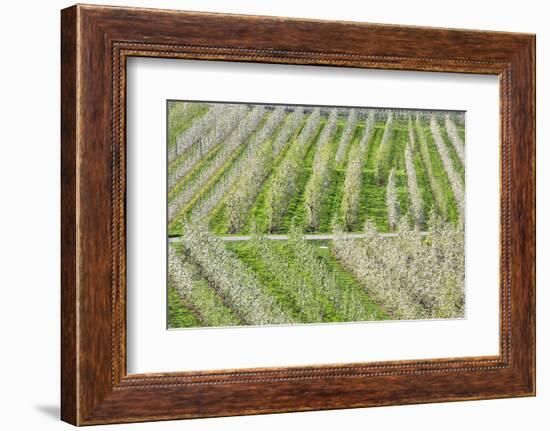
(299, 214)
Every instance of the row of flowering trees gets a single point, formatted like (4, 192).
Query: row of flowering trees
(351, 197)
(318, 183)
(258, 169)
(196, 293)
(198, 129)
(251, 160)
(348, 303)
(220, 189)
(416, 202)
(178, 114)
(413, 276)
(223, 125)
(455, 138)
(236, 283)
(347, 135)
(392, 200)
(382, 162)
(435, 186)
(283, 184)
(239, 137)
(307, 281)
(452, 174)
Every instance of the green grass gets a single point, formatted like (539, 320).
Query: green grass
(461, 133)
(179, 315)
(423, 184)
(296, 213)
(219, 221)
(457, 164)
(331, 208)
(441, 176)
(251, 257)
(258, 213)
(179, 121)
(373, 195)
(274, 280)
(208, 308)
(372, 202)
(401, 137)
(174, 227)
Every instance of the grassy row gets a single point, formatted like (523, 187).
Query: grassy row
(331, 210)
(372, 204)
(175, 226)
(180, 119)
(457, 164)
(372, 194)
(185, 312)
(258, 219)
(219, 222)
(180, 314)
(257, 216)
(346, 209)
(196, 297)
(275, 264)
(423, 184)
(441, 176)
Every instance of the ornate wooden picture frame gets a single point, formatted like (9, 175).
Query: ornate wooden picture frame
(96, 41)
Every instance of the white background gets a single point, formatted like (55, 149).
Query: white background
(151, 348)
(29, 227)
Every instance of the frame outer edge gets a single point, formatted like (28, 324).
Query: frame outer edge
(533, 54)
(532, 127)
(69, 195)
(523, 207)
(530, 63)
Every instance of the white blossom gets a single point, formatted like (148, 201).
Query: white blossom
(435, 186)
(454, 178)
(382, 158)
(416, 203)
(284, 183)
(222, 127)
(319, 180)
(413, 277)
(235, 282)
(351, 197)
(235, 141)
(257, 170)
(392, 201)
(347, 135)
(219, 190)
(455, 138)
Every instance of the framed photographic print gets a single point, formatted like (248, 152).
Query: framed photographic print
(315, 217)
(266, 215)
